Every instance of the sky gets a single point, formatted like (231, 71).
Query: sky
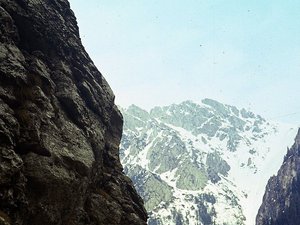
(158, 52)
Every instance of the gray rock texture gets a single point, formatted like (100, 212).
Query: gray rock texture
(59, 128)
(281, 200)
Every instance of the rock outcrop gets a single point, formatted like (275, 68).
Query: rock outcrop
(281, 200)
(59, 127)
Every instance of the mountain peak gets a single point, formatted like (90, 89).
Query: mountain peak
(134, 107)
(189, 161)
(211, 102)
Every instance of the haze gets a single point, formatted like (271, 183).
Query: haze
(243, 53)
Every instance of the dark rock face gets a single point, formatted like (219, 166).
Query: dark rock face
(281, 202)
(59, 127)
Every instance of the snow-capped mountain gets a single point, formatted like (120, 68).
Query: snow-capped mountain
(202, 163)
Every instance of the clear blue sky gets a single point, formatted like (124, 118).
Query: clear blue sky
(243, 53)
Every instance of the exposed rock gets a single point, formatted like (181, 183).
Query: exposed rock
(191, 177)
(188, 172)
(281, 200)
(151, 184)
(216, 165)
(59, 127)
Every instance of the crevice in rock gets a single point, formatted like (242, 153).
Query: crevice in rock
(37, 148)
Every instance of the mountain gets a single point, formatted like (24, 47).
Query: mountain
(204, 163)
(281, 200)
(59, 127)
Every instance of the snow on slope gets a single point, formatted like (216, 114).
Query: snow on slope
(201, 164)
(270, 153)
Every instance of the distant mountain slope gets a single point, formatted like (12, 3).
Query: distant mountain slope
(281, 200)
(202, 163)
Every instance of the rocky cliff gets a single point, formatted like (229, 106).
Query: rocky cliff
(281, 200)
(59, 127)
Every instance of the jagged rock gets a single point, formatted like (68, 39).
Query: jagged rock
(216, 165)
(281, 200)
(201, 163)
(59, 127)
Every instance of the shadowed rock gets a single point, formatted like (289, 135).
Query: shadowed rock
(59, 128)
(281, 200)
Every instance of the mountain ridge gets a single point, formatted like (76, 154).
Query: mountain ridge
(213, 140)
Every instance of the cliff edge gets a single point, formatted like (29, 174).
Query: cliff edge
(281, 200)
(59, 128)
